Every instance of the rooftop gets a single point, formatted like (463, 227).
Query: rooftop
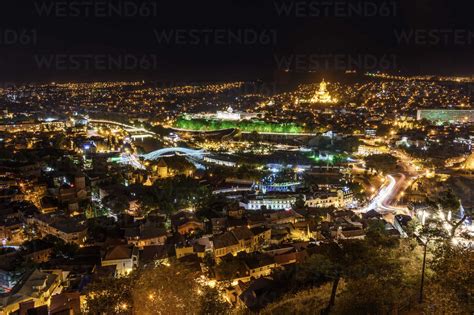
(119, 252)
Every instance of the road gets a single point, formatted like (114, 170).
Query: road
(388, 194)
(246, 132)
(131, 159)
(128, 128)
(384, 197)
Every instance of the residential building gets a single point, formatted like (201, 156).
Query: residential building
(36, 288)
(336, 198)
(184, 222)
(146, 236)
(69, 229)
(123, 257)
(270, 202)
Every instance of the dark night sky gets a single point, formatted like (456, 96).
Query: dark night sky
(66, 40)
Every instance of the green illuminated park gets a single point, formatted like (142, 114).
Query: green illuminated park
(331, 159)
(245, 126)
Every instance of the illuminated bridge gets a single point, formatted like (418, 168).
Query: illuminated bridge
(171, 151)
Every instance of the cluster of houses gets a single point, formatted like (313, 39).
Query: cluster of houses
(257, 235)
(255, 243)
(69, 245)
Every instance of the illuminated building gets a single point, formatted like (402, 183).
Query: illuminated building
(33, 126)
(123, 257)
(321, 96)
(446, 115)
(221, 160)
(279, 187)
(364, 149)
(274, 202)
(36, 288)
(162, 169)
(337, 199)
(70, 230)
(229, 114)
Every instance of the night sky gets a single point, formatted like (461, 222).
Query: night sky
(230, 40)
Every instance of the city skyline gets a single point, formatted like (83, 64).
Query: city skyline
(236, 157)
(59, 41)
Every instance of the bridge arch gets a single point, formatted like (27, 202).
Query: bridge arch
(165, 151)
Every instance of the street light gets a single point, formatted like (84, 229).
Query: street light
(123, 306)
(425, 245)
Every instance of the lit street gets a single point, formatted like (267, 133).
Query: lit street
(236, 157)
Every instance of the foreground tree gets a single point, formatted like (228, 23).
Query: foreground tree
(349, 260)
(166, 290)
(180, 192)
(299, 205)
(174, 290)
(441, 300)
(394, 288)
(450, 289)
(449, 212)
(385, 163)
(366, 267)
(159, 290)
(212, 303)
(377, 235)
(110, 295)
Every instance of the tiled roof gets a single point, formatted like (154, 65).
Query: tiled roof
(119, 252)
(242, 233)
(225, 240)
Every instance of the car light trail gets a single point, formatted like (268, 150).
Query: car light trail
(383, 196)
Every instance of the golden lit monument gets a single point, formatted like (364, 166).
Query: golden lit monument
(321, 96)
